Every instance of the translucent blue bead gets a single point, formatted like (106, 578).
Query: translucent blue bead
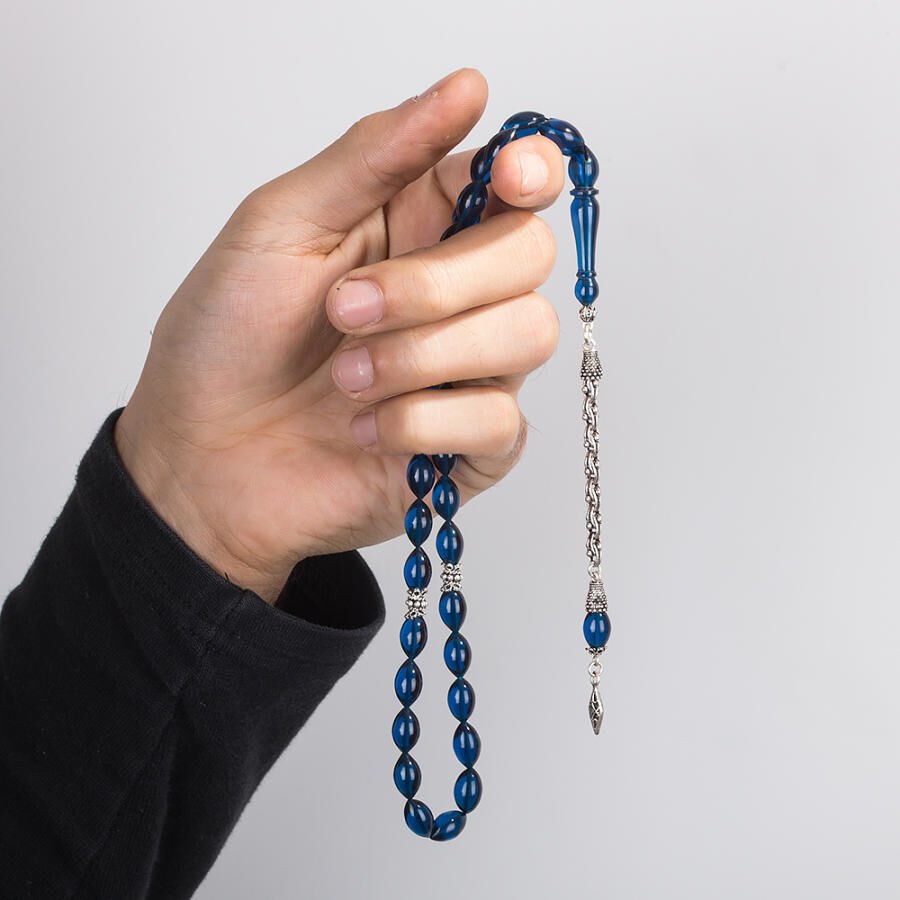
(413, 635)
(418, 817)
(567, 137)
(449, 542)
(418, 522)
(461, 699)
(407, 775)
(466, 744)
(584, 211)
(583, 169)
(405, 730)
(467, 790)
(417, 569)
(596, 629)
(408, 682)
(457, 654)
(444, 462)
(471, 203)
(448, 825)
(452, 608)
(524, 122)
(445, 497)
(480, 169)
(497, 143)
(420, 474)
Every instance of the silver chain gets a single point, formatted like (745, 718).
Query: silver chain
(591, 372)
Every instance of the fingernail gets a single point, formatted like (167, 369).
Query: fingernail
(358, 302)
(353, 369)
(534, 172)
(363, 429)
(436, 86)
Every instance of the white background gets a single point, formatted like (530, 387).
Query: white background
(748, 327)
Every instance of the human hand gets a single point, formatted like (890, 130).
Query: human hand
(239, 434)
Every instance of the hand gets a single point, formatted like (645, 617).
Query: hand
(270, 422)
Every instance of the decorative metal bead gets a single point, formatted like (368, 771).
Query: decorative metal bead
(590, 365)
(451, 577)
(415, 602)
(596, 597)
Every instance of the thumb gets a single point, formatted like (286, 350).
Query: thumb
(378, 156)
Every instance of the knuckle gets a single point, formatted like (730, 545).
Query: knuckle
(432, 280)
(504, 414)
(540, 321)
(540, 246)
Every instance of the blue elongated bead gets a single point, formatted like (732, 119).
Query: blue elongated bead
(471, 202)
(417, 569)
(448, 825)
(405, 730)
(497, 143)
(584, 211)
(467, 790)
(445, 497)
(466, 744)
(461, 699)
(449, 542)
(418, 817)
(408, 682)
(566, 136)
(457, 654)
(480, 167)
(596, 629)
(413, 635)
(444, 462)
(583, 169)
(407, 775)
(452, 608)
(525, 123)
(418, 522)
(420, 474)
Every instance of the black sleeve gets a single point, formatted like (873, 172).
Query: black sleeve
(143, 696)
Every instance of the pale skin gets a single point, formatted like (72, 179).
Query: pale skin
(240, 433)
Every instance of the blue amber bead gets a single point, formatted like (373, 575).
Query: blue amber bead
(408, 682)
(583, 169)
(567, 137)
(480, 169)
(466, 744)
(524, 123)
(407, 775)
(417, 569)
(420, 474)
(405, 730)
(461, 699)
(449, 542)
(467, 790)
(497, 143)
(445, 497)
(448, 825)
(452, 608)
(457, 654)
(413, 635)
(596, 629)
(418, 522)
(471, 203)
(444, 462)
(418, 817)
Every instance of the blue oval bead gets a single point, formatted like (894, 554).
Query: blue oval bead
(461, 699)
(418, 817)
(420, 474)
(457, 654)
(566, 136)
(407, 775)
(467, 790)
(449, 542)
(596, 629)
(444, 462)
(479, 168)
(466, 744)
(523, 120)
(413, 635)
(445, 497)
(417, 569)
(405, 730)
(452, 608)
(583, 169)
(448, 825)
(418, 522)
(408, 682)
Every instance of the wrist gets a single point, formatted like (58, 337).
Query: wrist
(162, 483)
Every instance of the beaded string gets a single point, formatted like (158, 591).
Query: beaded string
(426, 474)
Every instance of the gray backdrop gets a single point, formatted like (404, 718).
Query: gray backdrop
(748, 327)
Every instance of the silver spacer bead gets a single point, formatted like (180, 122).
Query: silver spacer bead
(590, 365)
(596, 598)
(587, 313)
(415, 603)
(451, 577)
